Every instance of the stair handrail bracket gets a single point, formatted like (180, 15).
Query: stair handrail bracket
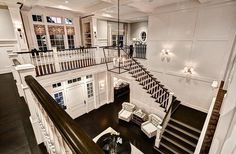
(60, 132)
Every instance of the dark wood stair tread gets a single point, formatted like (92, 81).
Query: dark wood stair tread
(182, 135)
(183, 128)
(170, 146)
(178, 142)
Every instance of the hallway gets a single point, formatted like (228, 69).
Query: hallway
(16, 133)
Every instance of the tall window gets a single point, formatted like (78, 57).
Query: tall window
(71, 42)
(70, 36)
(90, 90)
(59, 99)
(57, 36)
(40, 33)
(115, 40)
(57, 41)
(42, 43)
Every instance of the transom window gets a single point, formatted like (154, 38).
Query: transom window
(68, 21)
(90, 90)
(55, 85)
(37, 18)
(51, 19)
(89, 76)
(74, 80)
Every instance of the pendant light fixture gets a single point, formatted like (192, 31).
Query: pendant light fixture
(119, 63)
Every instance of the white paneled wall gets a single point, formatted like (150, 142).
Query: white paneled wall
(200, 36)
(7, 39)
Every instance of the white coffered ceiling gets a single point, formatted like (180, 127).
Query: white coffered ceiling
(130, 10)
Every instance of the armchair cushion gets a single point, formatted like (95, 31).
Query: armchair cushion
(125, 114)
(150, 128)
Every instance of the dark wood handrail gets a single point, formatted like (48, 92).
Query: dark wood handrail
(81, 48)
(146, 72)
(215, 115)
(40, 51)
(75, 137)
(168, 111)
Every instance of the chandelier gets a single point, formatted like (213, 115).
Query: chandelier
(116, 57)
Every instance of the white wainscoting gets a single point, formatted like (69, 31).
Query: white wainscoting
(200, 36)
(5, 62)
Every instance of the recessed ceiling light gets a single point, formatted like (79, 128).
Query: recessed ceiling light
(66, 2)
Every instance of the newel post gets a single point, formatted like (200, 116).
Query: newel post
(56, 59)
(170, 100)
(25, 70)
(99, 55)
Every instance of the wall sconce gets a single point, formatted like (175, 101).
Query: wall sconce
(165, 55)
(188, 70)
(19, 30)
(214, 84)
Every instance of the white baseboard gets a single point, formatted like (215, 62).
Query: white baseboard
(195, 107)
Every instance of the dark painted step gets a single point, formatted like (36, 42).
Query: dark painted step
(182, 136)
(172, 147)
(184, 129)
(190, 116)
(178, 142)
(163, 150)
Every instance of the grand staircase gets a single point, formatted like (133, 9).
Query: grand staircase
(152, 86)
(178, 137)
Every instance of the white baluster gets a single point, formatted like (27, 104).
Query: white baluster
(49, 63)
(45, 63)
(41, 63)
(37, 64)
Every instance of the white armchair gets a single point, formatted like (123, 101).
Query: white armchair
(150, 127)
(126, 112)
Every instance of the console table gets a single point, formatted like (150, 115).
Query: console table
(139, 117)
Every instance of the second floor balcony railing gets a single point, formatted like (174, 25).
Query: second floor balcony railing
(52, 61)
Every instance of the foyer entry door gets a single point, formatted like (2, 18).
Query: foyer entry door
(76, 102)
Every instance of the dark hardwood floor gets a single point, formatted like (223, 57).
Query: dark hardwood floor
(106, 116)
(16, 133)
